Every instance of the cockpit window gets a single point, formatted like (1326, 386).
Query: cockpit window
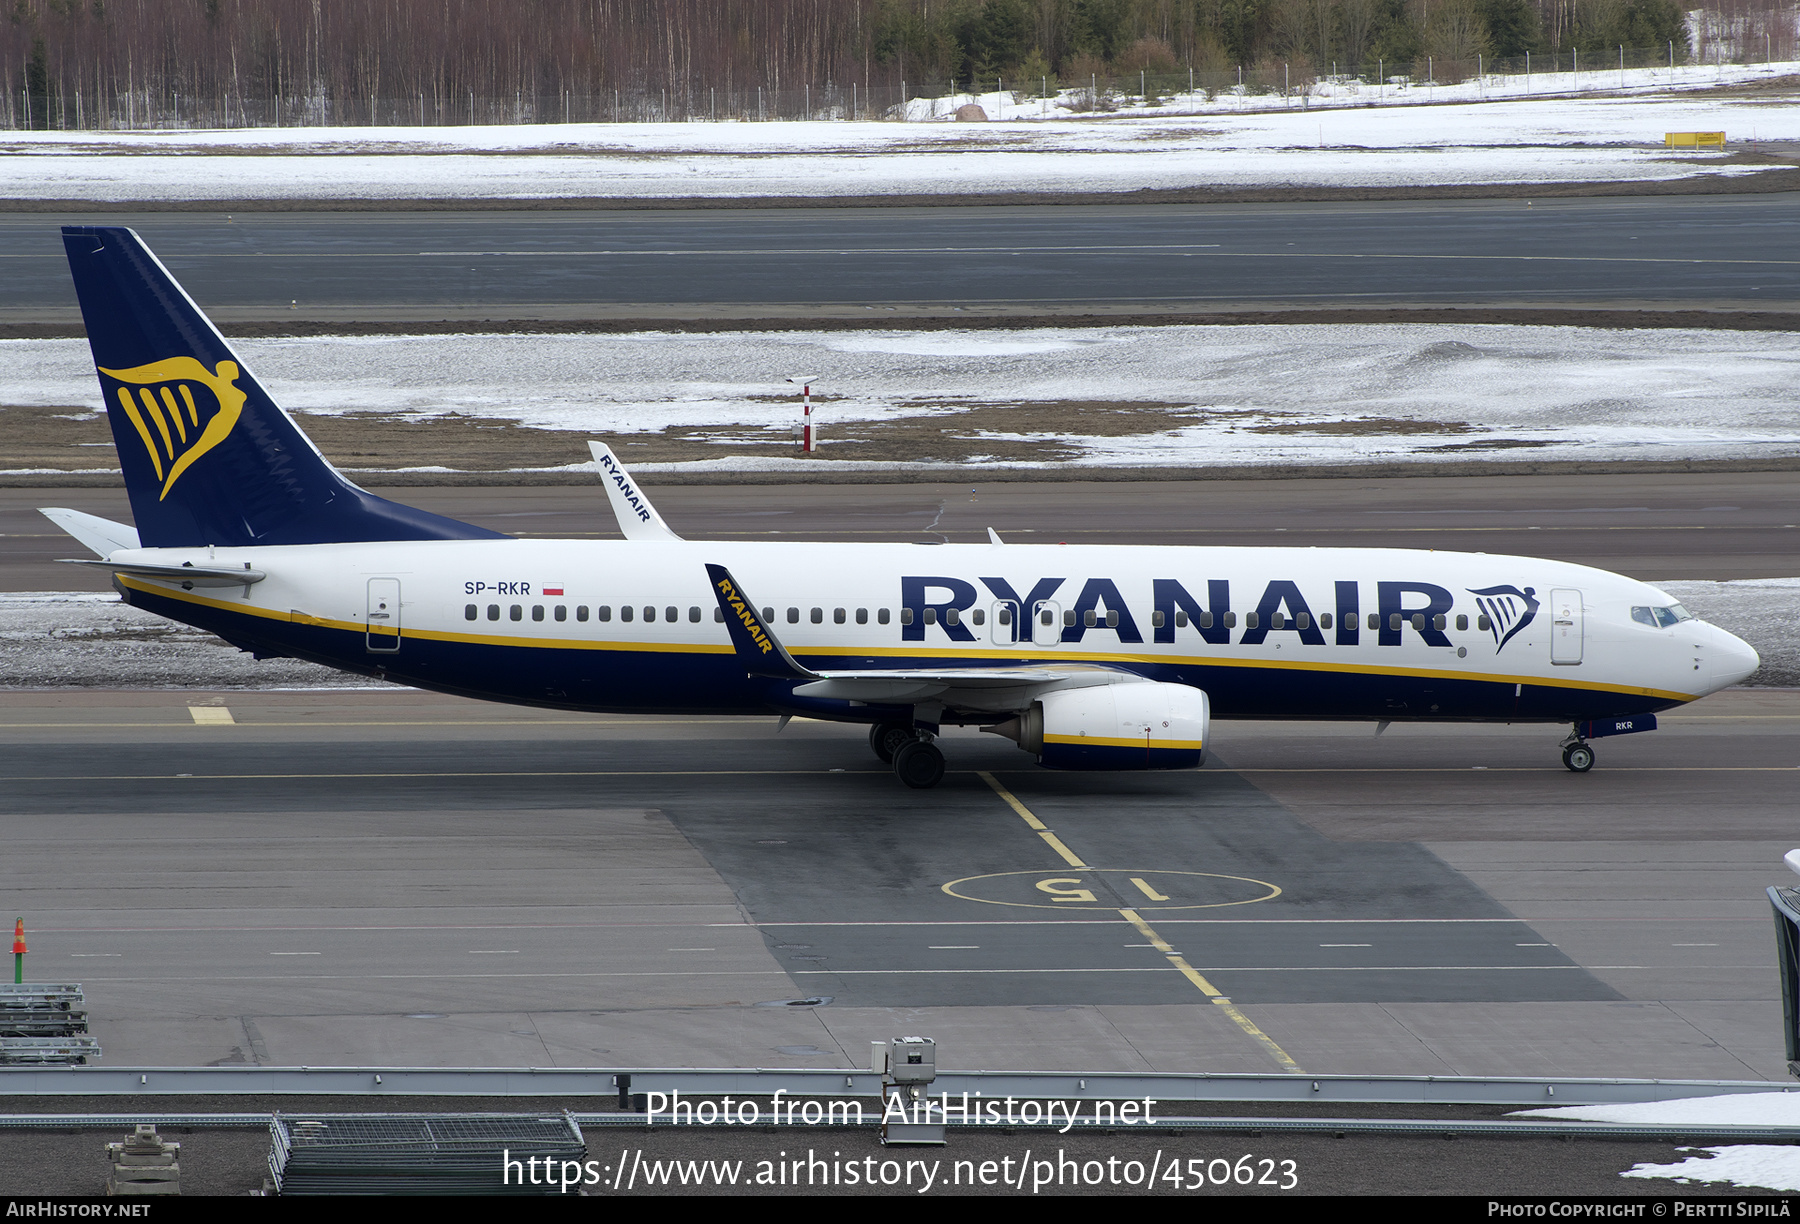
(1661, 618)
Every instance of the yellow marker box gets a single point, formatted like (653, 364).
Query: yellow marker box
(1694, 140)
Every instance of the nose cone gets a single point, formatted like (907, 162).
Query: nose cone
(1733, 659)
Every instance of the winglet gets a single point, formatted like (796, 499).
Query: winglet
(638, 519)
(757, 649)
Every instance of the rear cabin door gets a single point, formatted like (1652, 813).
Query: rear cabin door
(1565, 627)
(384, 615)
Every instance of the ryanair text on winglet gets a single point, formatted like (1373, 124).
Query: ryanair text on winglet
(631, 498)
(744, 614)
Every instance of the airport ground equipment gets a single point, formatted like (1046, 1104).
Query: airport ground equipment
(145, 1163)
(907, 1066)
(44, 1023)
(418, 1153)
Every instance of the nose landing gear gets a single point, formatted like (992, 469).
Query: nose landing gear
(1578, 756)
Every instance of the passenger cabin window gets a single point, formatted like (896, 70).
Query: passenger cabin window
(649, 613)
(671, 614)
(1324, 620)
(1304, 620)
(881, 615)
(1069, 617)
(1483, 623)
(793, 616)
(931, 616)
(581, 612)
(470, 612)
(1230, 620)
(1088, 618)
(626, 612)
(769, 615)
(1375, 620)
(1277, 620)
(603, 612)
(905, 616)
(862, 616)
(718, 616)
(1462, 622)
(562, 613)
(1181, 619)
(694, 615)
(818, 616)
(1252, 620)
(978, 616)
(1394, 621)
(1439, 623)
(537, 612)
(1047, 616)
(493, 611)
(1156, 620)
(953, 616)
(837, 616)
(516, 612)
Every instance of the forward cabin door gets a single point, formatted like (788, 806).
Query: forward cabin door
(384, 615)
(1565, 627)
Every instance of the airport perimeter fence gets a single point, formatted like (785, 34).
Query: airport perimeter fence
(1293, 84)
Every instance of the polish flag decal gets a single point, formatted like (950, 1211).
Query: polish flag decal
(553, 590)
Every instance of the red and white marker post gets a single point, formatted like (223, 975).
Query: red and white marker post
(809, 440)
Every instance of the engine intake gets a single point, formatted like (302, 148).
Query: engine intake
(1146, 725)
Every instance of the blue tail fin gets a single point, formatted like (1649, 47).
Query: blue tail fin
(208, 457)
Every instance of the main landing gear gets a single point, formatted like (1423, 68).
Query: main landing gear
(916, 760)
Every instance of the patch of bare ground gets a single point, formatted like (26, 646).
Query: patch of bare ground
(75, 439)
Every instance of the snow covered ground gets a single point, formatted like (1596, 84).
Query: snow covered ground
(1201, 396)
(1764, 1166)
(1519, 140)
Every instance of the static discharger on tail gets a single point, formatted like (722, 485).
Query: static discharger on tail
(1088, 658)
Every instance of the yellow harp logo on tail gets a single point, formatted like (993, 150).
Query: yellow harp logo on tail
(177, 426)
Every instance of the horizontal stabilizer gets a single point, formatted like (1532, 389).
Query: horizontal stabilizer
(104, 536)
(638, 519)
(754, 641)
(187, 575)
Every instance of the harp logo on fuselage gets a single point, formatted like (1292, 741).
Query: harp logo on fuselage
(180, 410)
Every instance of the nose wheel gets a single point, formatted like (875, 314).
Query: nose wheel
(1578, 757)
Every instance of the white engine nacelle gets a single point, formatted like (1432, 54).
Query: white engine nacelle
(1144, 725)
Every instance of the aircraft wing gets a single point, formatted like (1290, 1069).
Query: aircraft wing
(978, 686)
(974, 687)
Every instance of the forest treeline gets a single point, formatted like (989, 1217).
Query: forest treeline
(104, 51)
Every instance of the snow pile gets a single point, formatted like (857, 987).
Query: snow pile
(1764, 1166)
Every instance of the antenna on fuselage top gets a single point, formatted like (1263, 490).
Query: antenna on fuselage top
(638, 519)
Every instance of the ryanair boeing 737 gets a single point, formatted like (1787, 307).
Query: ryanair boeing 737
(1086, 657)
